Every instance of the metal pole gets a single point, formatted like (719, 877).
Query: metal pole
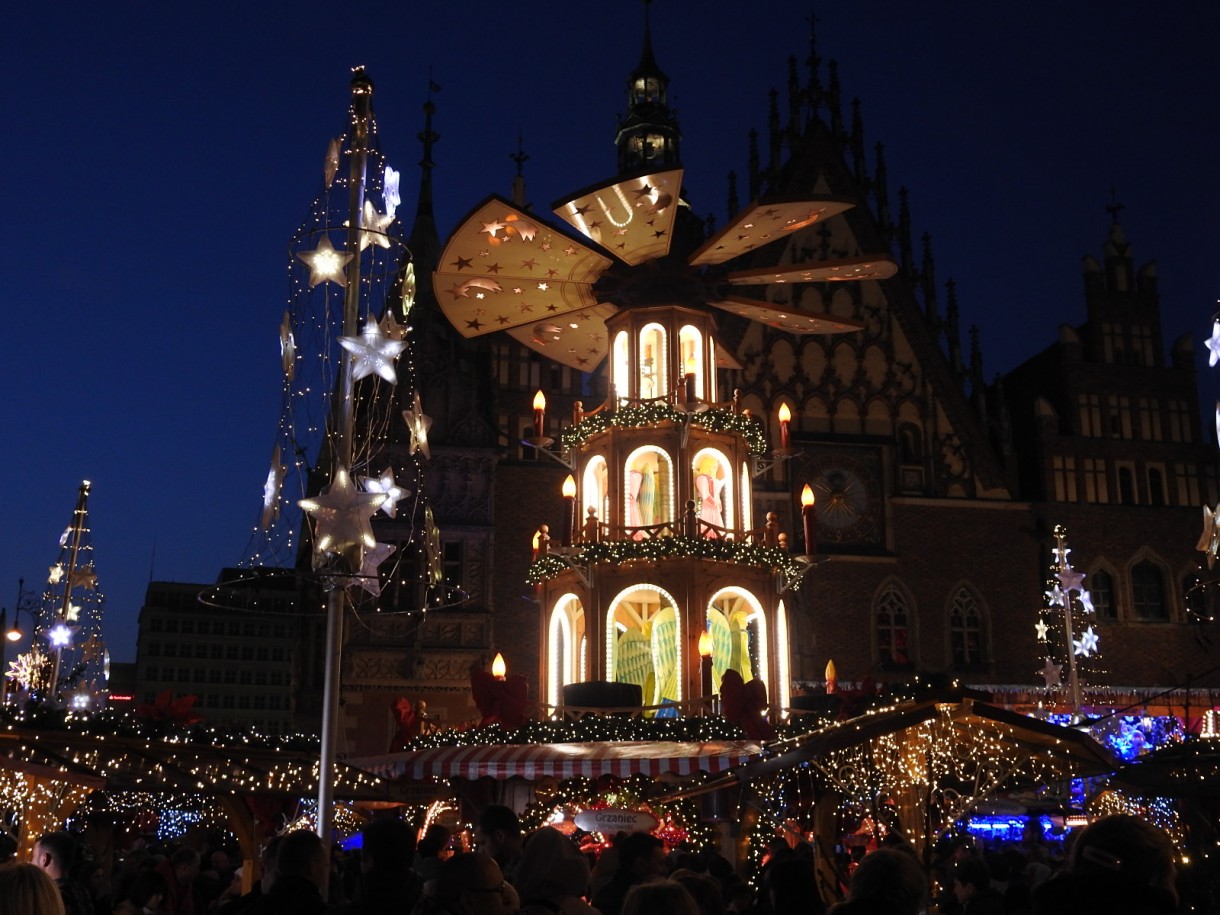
(1073, 677)
(362, 98)
(77, 528)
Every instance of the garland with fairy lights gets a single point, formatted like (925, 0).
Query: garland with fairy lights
(654, 414)
(652, 549)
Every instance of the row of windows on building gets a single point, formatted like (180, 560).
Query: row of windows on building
(245, 629)
(1089, 480)
(228, 676)
(892, 616)
(1152, 420)
(216, 651)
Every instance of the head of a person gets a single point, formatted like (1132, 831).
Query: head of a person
(1125, 849)
(654, 896)
(387, 844)
(892, 878)
(186, 864)
(470, 884)
(792, 887)
(27, 889)
(971, 877)
(704, 889)
(436, 837)
(55, 853)
(302, 854)
(551, 867)
(641, 856)
(498, 832)
(147, 890)
(266, 859)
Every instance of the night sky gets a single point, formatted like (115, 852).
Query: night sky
(159, 156)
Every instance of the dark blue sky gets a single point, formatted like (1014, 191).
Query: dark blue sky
(158, 157)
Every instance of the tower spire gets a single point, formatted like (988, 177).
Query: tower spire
(648, 135)
(520, 157)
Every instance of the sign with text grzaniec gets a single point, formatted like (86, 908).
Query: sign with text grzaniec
(611, 820)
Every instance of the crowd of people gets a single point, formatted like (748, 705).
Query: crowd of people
(1119, 864)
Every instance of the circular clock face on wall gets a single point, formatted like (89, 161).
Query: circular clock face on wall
(847, 499)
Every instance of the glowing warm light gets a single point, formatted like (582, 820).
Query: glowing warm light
(569, 487)
(807, 497)
(539, 401)
(785, 414)
(498, 667)
(705, 644)
(831, 673)
(13, 635)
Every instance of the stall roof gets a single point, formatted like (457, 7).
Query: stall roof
(563, 760)
(112, 763)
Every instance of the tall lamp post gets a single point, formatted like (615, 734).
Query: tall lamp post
(13, 634)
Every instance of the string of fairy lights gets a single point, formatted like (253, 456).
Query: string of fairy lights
(658, 412)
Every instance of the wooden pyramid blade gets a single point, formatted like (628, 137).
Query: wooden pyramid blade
(577, 339)
(632, 218)
(787, 319)
(874, 267)
(503, 267)
(764, 221)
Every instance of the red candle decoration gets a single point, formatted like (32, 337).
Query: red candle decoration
(785, 420)
(807, 519)
(539, 414)
(832, 677)
(569, 500)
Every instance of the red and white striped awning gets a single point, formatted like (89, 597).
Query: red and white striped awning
(562, 760)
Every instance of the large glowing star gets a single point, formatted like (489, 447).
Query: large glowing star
(390, 326)
(369, 578)
(341, 514)
(1041, 628)
(373, 353)
(1054, 597)
(393, 196)
(1052, 673)
(1209, 540)
(1070, 580)
(1086, 601)
(1087, 643)
(373, 227)
(60, 635)
(387, 487)
(325, 263)
(57, 573)
(83, 577)
(271, 491)
(1213, 343)
(418, 425)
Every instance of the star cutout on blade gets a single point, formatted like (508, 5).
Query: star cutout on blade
(418, 425)
(474, 325)
(491, 228)
(369, 578)
(1071, 580)
(1052, 673)
(373, 228)
(271, 491)
(373, 353)
(492, 268)
(463, 263)
(325, 263)
(1086, 644)
(387, 487)
(1041, 628)
(341, 515)
(1213, 343)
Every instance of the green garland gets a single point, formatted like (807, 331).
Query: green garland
(618, 551)
(714, 420)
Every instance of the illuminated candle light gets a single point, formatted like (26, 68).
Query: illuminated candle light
(807, 520)
(498, 668)
(832, 677)
(569, 500)
(705, 661)
(539, 414)
(785, 420)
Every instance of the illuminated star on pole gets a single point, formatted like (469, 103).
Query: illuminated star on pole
(331, 168)
(325, 263)
(271, 491)
(432, 542)
(1209, 540)
(288, 347)
(83, 577)
(418, 425)
(1041, 628)
(57, 573)
(373, 230)
(392, 195)
(373, 353)
(408, 289)
(369, 578)
(1054, 596)
(1071, 580)
(1052, 673)
(341, 514)
(1213, 343)
(60, 636)
(387, 487)
(390, 326)
(1086, 601)
(1087, 643)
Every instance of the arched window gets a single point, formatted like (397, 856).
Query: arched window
(1156, 486)
(713, 490)
(1148, 592)
(893, 628)
(644, 643)
(595, 492)
(782, 672)
(966, 636)
(690, 350)
(654, 362)
(1126, 486)
(747, 499)
(1100, 586)
(738, 628)
(648, 490)
(565, 647)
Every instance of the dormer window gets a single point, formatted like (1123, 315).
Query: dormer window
(646, 89)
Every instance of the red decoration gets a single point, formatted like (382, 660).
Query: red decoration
(499, 701)
(404, 717)
(744, 703)
(855, 701)
(170, 711)
(270, 813)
